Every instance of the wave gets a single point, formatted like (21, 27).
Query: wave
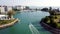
(33, 29)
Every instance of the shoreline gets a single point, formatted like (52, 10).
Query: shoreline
(49, 28)
(9, 24)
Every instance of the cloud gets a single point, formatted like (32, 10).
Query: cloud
(31, 2)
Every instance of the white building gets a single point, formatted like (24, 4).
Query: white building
(9, 8)
(5, 9)
(2, 9)
(4, 17)
(18, 7)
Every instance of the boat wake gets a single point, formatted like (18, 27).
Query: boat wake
(33, 29)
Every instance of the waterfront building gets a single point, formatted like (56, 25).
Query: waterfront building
(18, 7)
(4, 17)
(5, 9)
(2, 9)
(9, 8)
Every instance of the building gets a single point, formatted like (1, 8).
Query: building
(4, 17)
(5, 9)
(9, 8)
(2, 10)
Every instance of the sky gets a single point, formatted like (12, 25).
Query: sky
(30, 2)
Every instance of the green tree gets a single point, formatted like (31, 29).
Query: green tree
(10, 13)
(52, 23)
(27, 7)
(0, 11)
(46, 19)
(50, 10)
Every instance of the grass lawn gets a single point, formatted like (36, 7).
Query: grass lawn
(5, 21)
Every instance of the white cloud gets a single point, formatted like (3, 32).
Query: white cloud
(42, 2)
(31, 2)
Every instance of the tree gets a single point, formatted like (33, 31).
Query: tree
(27, 7)
(50, 10)
(0, 11)
(44, 9)
(10, 13)
(46, 19)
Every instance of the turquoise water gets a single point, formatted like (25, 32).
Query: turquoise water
(28, 24)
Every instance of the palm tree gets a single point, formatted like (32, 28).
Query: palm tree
(0, 11)
(10, 13)
(50, 10)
